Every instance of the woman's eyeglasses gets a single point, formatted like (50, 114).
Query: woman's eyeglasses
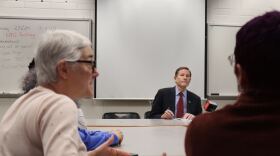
(91, 62)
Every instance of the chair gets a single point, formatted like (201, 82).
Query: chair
(121, 115)
(147, 115)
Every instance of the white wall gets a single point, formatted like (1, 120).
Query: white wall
(223, 12)
(237, 12)
(95, 108)
(48, 8)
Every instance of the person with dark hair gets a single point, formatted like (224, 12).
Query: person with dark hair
(177, 102)
(43, 121)
(93, 139)
(30, 79)
(251, 126)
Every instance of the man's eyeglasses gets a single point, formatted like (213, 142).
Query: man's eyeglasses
(91, 62)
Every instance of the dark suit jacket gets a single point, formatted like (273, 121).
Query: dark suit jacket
(165, 98)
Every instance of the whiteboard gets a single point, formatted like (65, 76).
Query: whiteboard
(140, 43)
(220, 76)
(18, 37)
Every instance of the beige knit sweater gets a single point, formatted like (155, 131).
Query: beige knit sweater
(41, 123)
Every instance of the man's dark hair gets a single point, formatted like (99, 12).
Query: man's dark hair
(257, 50)
(181, 68)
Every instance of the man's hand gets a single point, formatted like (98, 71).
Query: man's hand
(106, 150)
(168, 114)
(188, 116)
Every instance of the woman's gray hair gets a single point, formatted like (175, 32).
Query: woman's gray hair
(55, 46)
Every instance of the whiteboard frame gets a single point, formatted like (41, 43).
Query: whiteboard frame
(90, 22)
(219, 96)
(203, 91)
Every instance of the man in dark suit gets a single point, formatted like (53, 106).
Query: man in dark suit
(166, 104)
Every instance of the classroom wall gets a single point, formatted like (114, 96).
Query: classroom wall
(223, 12)
(48, 8)
(95, 108)
(237, 12)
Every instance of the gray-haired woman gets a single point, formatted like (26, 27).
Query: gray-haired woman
(43, 122)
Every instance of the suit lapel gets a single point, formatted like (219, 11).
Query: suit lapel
(189, 102)
(172, 99)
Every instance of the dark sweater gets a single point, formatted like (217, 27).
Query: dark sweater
(250, 127)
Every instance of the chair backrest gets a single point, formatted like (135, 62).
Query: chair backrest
(121, 115)
(147, 115)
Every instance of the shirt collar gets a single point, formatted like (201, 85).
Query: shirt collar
(177, 91)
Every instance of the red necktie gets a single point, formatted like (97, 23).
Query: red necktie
(180, 106)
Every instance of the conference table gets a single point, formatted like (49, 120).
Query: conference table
(147, 137)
